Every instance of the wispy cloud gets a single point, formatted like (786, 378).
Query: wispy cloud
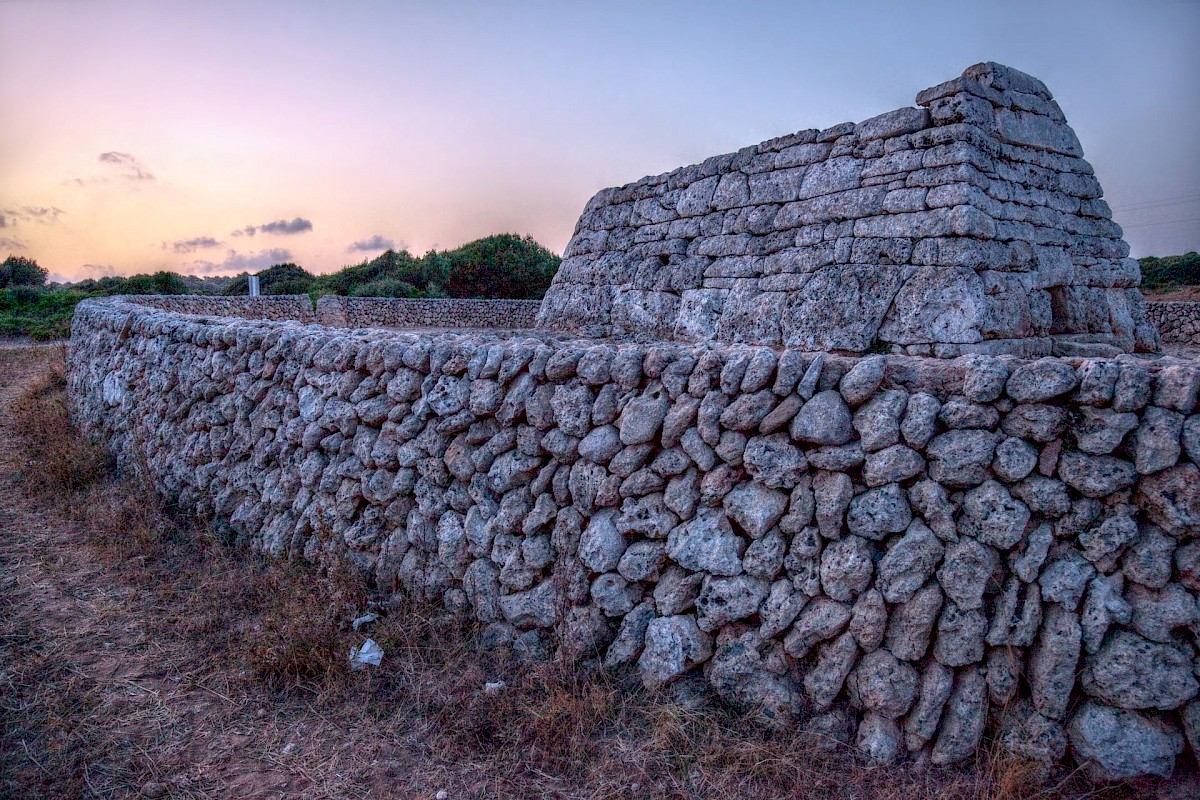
(46, 215)
(280, 226)
(191, 245)
(98, 270)
(11, 243)
(375, 243)
(241, 262)
(127, 165)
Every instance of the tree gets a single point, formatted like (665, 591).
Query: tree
(21, 271)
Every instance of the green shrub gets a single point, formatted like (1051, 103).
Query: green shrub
(1162, 273)
(21, 271)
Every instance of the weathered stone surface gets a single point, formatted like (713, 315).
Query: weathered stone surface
(755, 508)
(993, 516)
(1052, 664)
(673, 645)
(707, 544)
(1095, 476)
(1114, 744)
(883, 685)
(824, 419)
(1131, 672)
(834, 662)
(1041, 380)
(1171, 498)
(846, 568)
(909, 563)
(910, 624)
(961, 459)
(877, 512)
(967, 567)
(963, 719)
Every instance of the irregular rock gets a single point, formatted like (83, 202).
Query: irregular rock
(862, 381)
(911, 624)
(965, 572)
(846, 568)
(1171, 498)
(1158, 440)
(1041, 380)
(963, 719)
(1114, 744)
(934, 690)
(960, 635)
(882, 684)
(895, 463)
(960, 459)
(1014, 459)
(673, 645)
(1095, 476)
(820, 620)
(755, 508)
(878, 512)
(725, 600)
(824, 420)
(993, 516)
(1052, 663)
(707, 544)
(824, 681)
(774, 461)
(909, 563)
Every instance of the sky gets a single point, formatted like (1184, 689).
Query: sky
(215, 137)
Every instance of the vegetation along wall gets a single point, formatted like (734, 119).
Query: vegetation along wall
(908, 550)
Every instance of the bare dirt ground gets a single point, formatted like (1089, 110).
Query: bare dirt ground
(141, 656)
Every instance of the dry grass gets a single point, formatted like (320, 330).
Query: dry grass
(140, 653)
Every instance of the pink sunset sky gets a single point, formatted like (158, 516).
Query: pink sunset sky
(215, 137)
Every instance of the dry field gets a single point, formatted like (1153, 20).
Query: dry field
(142, 656)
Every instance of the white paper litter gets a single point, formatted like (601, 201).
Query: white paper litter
(369, 653)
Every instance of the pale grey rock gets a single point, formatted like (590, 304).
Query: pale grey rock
(774, 461)
(1132, 391)
(1095, 476)
(1115, 744)
(1177, 387)
(755, 507)
(601, 545)
(673, 645)
(643, 416)
(1190, 438)
(824, 681)
(931, 502)
(1100, 431)
(1157, 613)
(910, 624)
(908, 563)
(1171, 499)
(862, 381)
(960, 459)
(878, 512)
(895, 463)
(984, 379)
(920, 419)
(965, 571)
(807, 386)
(1014, 459)
(832, 493)
(882, 684)
(993, 516)
(764, 557)
(1131, 672)
(1108, 538)
(707, 544)
(1041, 380)
(837, 459)
(1028, 564)
(781, 416)
(962, 720)
(600, 444)
(676, 590)
(821, 619)
(1044, 497)
(1157, 441)
(921, 724)
(868, 620)
(1053, 660)
(846, 568)
(1065, 579)
(631, 635)
(539, 607)
(646, 516)
(960, 636)
(959, 414)
(642, 560)
(878, 421)
(878, 739)
(1037, 421)
(748, 410)
(1005, 666)
(682, 494)
(780, 608)
(823, 420)
(1187, 565)
(1103, 606)
(725, 600)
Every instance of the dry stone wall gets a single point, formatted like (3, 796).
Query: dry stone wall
(1177, 321)
(971, 223)
(397, 312)
(276, 307)
(900, 552)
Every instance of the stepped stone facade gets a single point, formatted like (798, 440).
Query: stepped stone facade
(968, 224)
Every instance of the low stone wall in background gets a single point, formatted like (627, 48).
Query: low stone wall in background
(275, 307)
(899, 551)
(1177, 321)
(398, 312)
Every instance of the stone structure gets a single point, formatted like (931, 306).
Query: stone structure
(968, 224)
(396, 312)
(914, 549)
(895, 550)
(278, 307)
(1178, 321)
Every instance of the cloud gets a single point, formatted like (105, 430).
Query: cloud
(241, 262)
(279, 226)
(192, 245)
(376, 242)
(127, 165)
(98, 270)
(41, 214)
(11, 243)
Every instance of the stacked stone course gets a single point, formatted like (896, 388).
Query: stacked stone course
(1177, 321)
(969, 224)
(902, 551)
(403, 312)
(275, 307)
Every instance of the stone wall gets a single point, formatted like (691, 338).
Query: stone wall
(275, 307)
(397, 312)
(1177, 321)
(968, 224)
(900, 550)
